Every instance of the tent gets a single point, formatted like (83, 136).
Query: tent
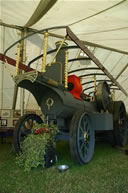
(100, 24)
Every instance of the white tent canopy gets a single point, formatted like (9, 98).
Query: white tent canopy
(102, 25)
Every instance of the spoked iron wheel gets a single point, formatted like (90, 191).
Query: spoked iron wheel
(120, 132)
(23, 129)
(82, 138)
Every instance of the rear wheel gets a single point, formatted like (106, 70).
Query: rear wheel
(82, 138)
(120, 132)
(23, 129)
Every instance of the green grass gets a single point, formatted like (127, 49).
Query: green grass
(106, 173)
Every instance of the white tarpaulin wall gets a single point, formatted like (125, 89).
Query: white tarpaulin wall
(103, 22)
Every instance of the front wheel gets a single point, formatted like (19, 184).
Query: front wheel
(82, 138)
(23, 129)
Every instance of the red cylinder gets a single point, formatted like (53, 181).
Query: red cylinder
(74, 86)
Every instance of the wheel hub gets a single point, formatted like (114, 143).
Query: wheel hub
(85, 136)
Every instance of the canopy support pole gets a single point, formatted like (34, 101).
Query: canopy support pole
(2, 68)
(93, 58)
(21, 59)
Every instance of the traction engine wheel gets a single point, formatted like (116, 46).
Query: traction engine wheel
(82, 138)
(103, 97)
(120, 132)
(23, 129)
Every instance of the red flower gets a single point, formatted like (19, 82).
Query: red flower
(43, 129)
(38, 131)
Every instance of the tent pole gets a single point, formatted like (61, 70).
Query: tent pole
(60, 36)
(22, 71)
(78, 42)
(21, 101)
(2, 68)
(42, 8)
(125, 67)
(22, 59)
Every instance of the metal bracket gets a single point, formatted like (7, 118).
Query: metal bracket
(28, 76)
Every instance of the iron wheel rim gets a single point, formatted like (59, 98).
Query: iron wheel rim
(85, 139)
(122, 125)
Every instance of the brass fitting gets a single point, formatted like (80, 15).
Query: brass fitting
(66, 69)
(45, 52)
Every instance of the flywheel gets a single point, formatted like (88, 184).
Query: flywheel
(103, 96)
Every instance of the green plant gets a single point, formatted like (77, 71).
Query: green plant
(34, 146)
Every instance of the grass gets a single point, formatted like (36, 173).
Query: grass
(106, 173)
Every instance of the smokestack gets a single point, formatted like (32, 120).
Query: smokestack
(61, 55)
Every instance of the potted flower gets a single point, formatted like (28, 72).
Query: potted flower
(39, 147)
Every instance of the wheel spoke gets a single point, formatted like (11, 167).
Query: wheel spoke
(31, 122)
(81, 129)
(87, 128)
(24, 126)
(84, 138)
(27, 125)
(86, 150)
(87, 144)
(122, 110)
(81, 138)
(85, 125)
(26, 132)
(120, 123)
(82, 146)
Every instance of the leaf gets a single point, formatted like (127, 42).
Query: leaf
(35, 145)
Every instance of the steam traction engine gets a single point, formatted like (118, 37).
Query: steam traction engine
(79, 117)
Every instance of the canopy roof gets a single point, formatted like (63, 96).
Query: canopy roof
(101, 25)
